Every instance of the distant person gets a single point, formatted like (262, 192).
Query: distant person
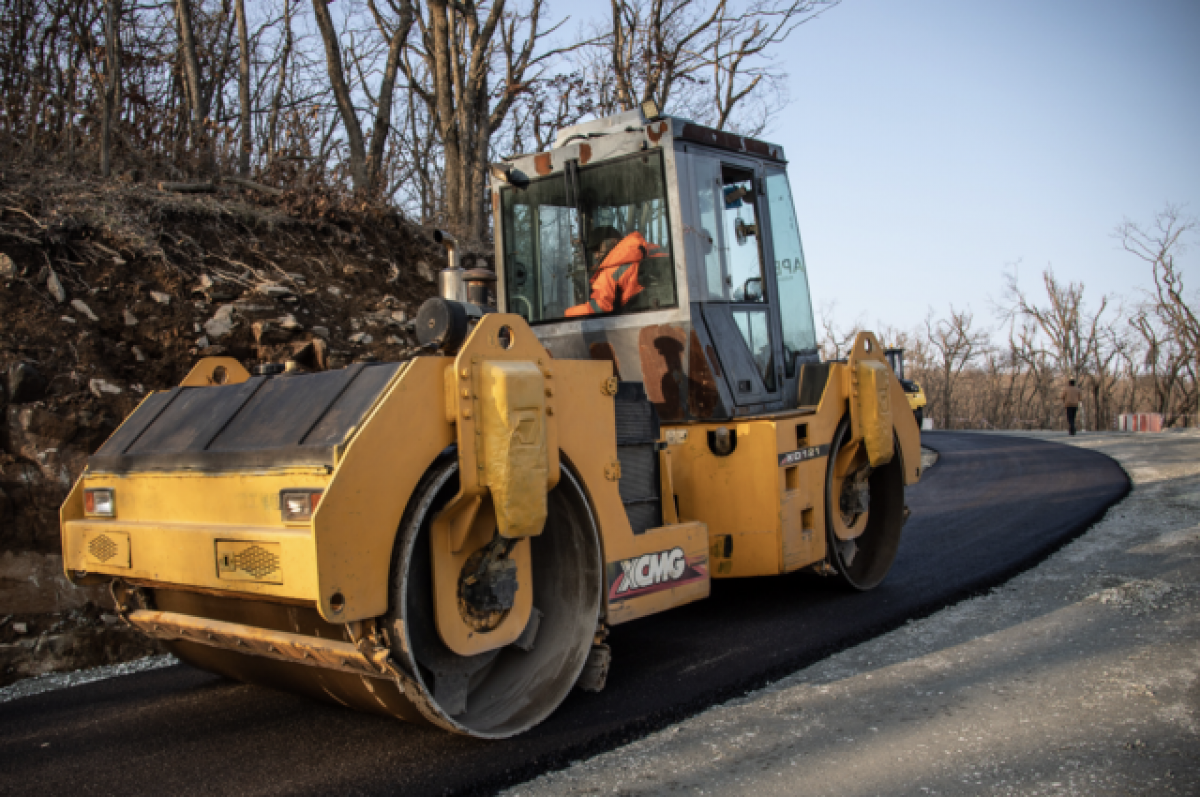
(1071, 396)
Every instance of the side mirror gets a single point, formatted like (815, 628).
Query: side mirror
(753, 289)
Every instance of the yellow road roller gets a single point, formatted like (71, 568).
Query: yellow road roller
(912, 389)
(632, 406)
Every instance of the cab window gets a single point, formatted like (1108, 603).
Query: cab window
(743, 256)
(589, 241)
(791, 275)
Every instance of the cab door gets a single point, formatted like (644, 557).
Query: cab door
(736, 290)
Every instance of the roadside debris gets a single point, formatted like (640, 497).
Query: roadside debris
(125, 287)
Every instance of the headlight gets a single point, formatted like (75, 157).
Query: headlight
(299, 505)
(99, 503)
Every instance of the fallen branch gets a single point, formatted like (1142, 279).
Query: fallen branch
(18, 236)
(188, 188)
(26, 215)
(250, 185)
(105, 249)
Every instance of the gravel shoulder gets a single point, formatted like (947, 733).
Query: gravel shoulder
(50, 682)
(1079, 676)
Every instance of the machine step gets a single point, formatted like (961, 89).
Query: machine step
(312, 651)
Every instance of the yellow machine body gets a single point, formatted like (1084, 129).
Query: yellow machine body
(916, 397)
(764, 503)
(766, 496)
(176, 521)
(913, 391)
(513, 414)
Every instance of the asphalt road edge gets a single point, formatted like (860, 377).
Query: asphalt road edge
(645, 726)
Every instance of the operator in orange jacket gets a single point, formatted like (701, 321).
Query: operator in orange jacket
(615, 280)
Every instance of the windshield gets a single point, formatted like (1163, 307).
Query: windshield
(795, 305)
(590, 241)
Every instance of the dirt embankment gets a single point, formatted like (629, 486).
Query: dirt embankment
(110, 290)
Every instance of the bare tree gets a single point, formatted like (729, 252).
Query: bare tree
(1165, 360)
(954, 345)
(112, 81)
(462, 46)
(197, 97)
(548, 105)
(285, 54)
(1035, 373)
(364, 165)
(246, 145)
(835, 342)
(1159, 245)
(703, 59)
(1077, 337)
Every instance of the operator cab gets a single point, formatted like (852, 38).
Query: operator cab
(895, 358)
(670, 249)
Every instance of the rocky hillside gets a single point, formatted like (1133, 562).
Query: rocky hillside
(109, 290)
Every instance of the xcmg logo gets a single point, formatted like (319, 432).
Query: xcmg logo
(652, 572)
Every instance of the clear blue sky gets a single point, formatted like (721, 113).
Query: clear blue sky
(934, 141)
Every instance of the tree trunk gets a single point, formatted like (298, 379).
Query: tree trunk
(191, 69)
(443, 86)
(70, 125)
(383, 113)
(214, 99)
(243, 87)
(284, 57)
(620, 68)
(341, 94)
(112, 77)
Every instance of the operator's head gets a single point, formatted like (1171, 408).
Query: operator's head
(1071, 382)
(602, 240)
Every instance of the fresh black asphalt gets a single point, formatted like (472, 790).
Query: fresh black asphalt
(991, 507)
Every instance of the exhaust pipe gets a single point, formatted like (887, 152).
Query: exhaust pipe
(450, 280)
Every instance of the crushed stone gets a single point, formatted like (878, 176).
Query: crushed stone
(64, 680)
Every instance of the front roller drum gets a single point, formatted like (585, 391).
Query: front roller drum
(505, 691)
(864, 511)
(363, 690)
(491, 695)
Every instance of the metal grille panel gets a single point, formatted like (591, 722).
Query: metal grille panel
(637, 449)
(102, 548)
(105, 548)
(256, 561)
(244, 560)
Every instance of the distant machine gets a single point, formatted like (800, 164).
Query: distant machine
(912, 391)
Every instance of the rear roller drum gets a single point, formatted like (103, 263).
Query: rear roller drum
(509, 690)
(864, 511)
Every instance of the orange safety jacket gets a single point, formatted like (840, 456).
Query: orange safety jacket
(616, 279)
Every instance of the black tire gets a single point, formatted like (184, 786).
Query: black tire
(875, 548)
(508, 690)
(919, 415)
